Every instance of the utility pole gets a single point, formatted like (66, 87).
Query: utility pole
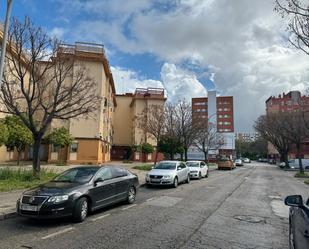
(4, 38)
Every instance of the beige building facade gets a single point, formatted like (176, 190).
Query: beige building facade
(93, 135)
(127, 131)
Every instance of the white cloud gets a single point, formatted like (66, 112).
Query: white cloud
(242, 42)
(128, 80)
(57, 32)
(178, 83)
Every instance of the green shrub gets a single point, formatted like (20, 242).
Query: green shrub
(306, 181)
(301, 175)
(127, 161)
(145, 148)
(145, 167)
(11, 179)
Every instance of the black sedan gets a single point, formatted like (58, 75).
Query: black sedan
(78, 191)
(299, 222)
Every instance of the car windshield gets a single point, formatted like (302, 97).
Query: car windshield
(165, 166)
(79, 175)
(193, 164)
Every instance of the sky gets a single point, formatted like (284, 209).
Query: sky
(237, 47)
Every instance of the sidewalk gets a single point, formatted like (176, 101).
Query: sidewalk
(8, 199)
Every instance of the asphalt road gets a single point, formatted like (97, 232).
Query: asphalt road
(242, 208)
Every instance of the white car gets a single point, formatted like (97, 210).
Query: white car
(198, 169)
(168, 173)
(239, 162)
(247, 160)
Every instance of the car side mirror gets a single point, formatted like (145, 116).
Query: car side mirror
(178, 168)
(96, 181)
(294, 201)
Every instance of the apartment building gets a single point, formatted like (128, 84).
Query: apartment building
(287, 102)
(219, 111)
(127, 132)
(93, 136)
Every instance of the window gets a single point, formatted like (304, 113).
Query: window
(9, 148)
(182, 165)
(200, 103)
(55, 148)
(118, 172)
(74, 148)
(105, 174)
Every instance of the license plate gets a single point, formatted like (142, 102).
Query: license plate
(155, 180)
(27, 207)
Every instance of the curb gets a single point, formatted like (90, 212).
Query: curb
(5, 216)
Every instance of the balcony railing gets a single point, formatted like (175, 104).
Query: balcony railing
(82, 47)
(149, 92)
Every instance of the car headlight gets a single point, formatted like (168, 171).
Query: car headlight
(58, 198)
(167, 177)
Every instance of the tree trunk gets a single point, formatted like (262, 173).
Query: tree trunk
(301, 170)
(18, 157)
(36, 166)
(286, 159)
(205, 156)
(156, 157)
(186, 154)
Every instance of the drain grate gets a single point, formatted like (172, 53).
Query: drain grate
(250, 218)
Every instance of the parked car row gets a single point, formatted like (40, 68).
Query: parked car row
(174, 172)
(294, 164)
(81, 190)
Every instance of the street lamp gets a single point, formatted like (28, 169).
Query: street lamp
(4, 38)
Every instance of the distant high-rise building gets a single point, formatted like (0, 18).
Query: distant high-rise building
(217, 110)
(289, 102)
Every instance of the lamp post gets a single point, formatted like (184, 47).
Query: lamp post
(4, 38)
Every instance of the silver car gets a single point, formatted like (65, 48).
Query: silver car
(168, 173)
(198, 169)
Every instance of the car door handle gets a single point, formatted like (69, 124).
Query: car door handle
(306, 233)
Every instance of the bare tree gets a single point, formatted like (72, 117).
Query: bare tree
(171, 137)
(152, 121)
(208, 138)
(185, 127)
(297, 13)
(43, 82)
(271, 128)
(296, 132)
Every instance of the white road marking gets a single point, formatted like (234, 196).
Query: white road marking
(57, 233)
(100, 217)
(133, 205)
(150, 199)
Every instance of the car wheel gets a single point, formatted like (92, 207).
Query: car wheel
(131, 195)
(200, 176)
(207, 174)
(175, 183)
(80, 210)
(188, 179)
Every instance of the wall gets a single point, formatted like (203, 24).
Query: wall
(123, 121)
